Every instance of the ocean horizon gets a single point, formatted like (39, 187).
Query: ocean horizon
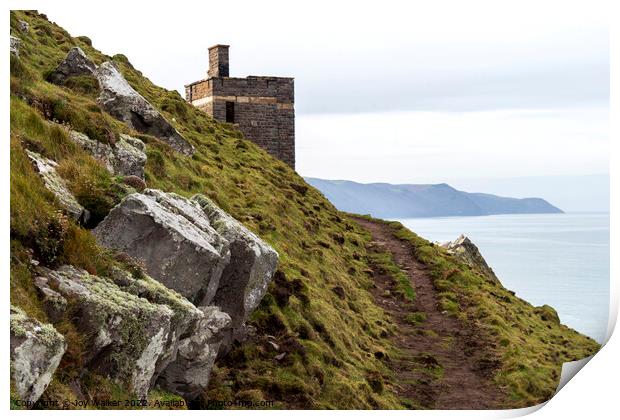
(557, 259)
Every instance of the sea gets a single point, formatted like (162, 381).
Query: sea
(557, 259)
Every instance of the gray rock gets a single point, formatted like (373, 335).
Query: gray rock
(129, 338)
(54, 183)
(464, 249)
(15, 44)
(130, 155)
(189, 374)
(124, 103)
(174, 239)
(55, 305)
(36, 350)
(76, 63)
(23, 26)
(100, 151)
(246, 278)
(126, 158)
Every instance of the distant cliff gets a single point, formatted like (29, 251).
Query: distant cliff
(422, 200)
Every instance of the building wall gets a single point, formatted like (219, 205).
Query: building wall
(264, 109)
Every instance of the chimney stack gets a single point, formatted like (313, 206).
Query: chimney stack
(218, 61)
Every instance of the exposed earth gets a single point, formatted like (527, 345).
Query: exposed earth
(436, 366)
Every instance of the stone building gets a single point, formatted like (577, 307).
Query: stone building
(262, 107)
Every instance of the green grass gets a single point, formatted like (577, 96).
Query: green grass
(528, 341)
(337, 335)
(415, 318)
(319, 248)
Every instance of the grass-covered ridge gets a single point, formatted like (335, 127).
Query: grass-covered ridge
(529, 342)
(331, 336)
(318, 309)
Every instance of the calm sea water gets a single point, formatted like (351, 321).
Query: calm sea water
(556, 259)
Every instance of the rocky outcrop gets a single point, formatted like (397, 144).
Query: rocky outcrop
(133, 330)
(246, 278)
(36, 350)
(57, 186)
(174, 239)
(23, 26)
(120, 100)
(117, 97)
(127, 157)
(76, 63)
(195, 248)
(15, 44)
(464, 249)
(188, 374)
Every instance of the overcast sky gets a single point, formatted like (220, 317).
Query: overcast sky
(417, 91)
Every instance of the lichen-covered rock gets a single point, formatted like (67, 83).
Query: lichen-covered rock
(130, 338)
(130, 155)
(76, 63)
(54, 183)
(123, 102)
(55, 305)
(252, 264)
(15, 44)
(174, 239)
(36, 350)
(465, 249)
(100, 151)
(23, 26)
(189, 374)
(127, 157)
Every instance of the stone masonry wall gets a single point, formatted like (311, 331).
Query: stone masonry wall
(263, 111)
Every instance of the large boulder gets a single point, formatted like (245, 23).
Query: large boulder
(132, 330)
(15, 44)
(252, 264)
(76, 63)
(174, 239)
(123, 102)
(57, 186)
(127, 157)
(130, 155)
(36, 350)
(464, 249)
(188, 375)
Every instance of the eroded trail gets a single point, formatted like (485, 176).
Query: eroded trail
(437, 366)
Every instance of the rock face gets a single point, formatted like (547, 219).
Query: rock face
(133, 330)
(126, 158)
(252, 264)
(123, 102)
(15, 44)
(36, 350)
(465, 249)
(195, 248)
(189, 373)
(23, 26)
(117, 97)
(54, 183)
(76, 63)
(173, 237)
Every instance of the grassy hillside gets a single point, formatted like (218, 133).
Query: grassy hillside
(318, 308)
(527, 343)
(331, 339)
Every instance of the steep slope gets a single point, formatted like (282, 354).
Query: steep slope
(329, 340)
(320, 340)
(417, 200)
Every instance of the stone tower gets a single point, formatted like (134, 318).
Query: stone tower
(262, 107)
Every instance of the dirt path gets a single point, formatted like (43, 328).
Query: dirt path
(437, 366)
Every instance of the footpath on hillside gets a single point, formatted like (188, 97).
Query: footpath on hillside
(435, 366)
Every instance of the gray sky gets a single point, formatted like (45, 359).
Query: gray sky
(413, 91)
